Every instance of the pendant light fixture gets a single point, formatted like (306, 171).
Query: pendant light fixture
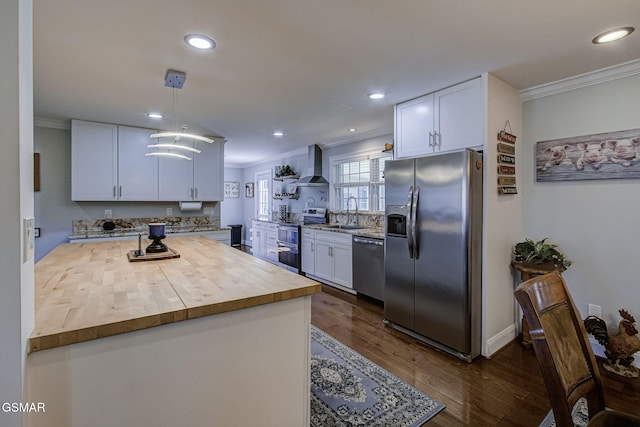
(175, 80)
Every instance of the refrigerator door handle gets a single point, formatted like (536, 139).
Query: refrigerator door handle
(409, 226)
(414, 222)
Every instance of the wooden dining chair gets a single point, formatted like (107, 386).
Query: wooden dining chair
(565, 356)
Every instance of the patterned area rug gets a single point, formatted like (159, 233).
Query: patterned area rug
(580, 415)
(350, 390)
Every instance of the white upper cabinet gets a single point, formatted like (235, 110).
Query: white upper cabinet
(200, 179)
(446, 120)
(175, 181)
(458, 116)
(137, 173)
(94, 161)
(209, 172)
(109, 162)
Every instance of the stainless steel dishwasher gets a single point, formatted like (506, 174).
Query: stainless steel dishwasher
(368, 266)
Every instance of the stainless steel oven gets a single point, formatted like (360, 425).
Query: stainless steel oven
(289, 247)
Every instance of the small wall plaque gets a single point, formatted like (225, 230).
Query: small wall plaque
(506, 148)
(506, 170)
(506, 180)
(504, 158)
(507, 190)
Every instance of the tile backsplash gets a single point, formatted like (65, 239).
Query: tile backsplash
(140, 224)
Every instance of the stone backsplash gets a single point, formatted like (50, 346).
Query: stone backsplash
(173, 224)
(364, 219)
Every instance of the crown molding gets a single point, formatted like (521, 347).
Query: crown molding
(615, 72)
(51, 123)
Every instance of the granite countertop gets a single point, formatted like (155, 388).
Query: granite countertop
(373, 232)
(89, 290)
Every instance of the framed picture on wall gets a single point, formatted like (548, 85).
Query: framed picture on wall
(611, 155)
(231, 190)
(248, 189)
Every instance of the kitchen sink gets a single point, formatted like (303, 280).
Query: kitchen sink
(344, 227)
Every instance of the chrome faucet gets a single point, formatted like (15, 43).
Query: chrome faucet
(356, 202)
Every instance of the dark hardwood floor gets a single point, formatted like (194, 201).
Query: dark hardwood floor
(506, 390)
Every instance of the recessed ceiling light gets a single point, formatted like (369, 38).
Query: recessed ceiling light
(352, 129)
(612, 35)
(199, 41)
(278, 133)
(155, 115)
(376, 95)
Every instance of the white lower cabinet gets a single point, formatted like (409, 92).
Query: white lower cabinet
(308, 261)
(264, 237)
(331, 254)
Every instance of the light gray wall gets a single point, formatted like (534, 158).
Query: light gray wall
(232, 209)
(315, 196)
(16, 176)
(298, 162)
(54, 210)
(594, 222)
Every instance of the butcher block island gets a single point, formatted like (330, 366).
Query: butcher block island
(214, 337)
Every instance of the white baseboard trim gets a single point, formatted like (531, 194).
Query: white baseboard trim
(499, 340)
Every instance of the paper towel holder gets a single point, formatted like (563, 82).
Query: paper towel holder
(190, 206)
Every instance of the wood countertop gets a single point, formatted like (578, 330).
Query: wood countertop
(85, 291)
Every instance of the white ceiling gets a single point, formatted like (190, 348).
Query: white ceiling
(302, 66)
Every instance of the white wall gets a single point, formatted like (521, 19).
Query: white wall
(594, 222)
(231, 209)
(16, 175)
(502, 218)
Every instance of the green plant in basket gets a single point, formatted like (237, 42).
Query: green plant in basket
(540, 252)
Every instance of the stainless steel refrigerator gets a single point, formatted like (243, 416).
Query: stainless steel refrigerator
(433, 250)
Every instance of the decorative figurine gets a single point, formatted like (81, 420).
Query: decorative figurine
(619, 348)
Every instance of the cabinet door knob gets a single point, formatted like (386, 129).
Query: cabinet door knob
(431, 139)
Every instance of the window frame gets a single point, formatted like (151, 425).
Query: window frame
(353, 157)
(257, 194)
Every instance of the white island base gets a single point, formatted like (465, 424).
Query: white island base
(247, 367)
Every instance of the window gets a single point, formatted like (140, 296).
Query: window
(263, 195)
(360, 176)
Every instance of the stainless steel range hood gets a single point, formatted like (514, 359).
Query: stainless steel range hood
(314, 173)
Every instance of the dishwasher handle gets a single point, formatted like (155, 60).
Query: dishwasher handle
(366, 241)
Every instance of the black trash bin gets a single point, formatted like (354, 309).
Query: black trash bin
(236, 234)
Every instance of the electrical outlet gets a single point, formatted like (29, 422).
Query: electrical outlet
(169, 211)
(595, 310)
(108, 214)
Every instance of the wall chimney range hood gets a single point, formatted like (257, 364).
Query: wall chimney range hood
(314, 173)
